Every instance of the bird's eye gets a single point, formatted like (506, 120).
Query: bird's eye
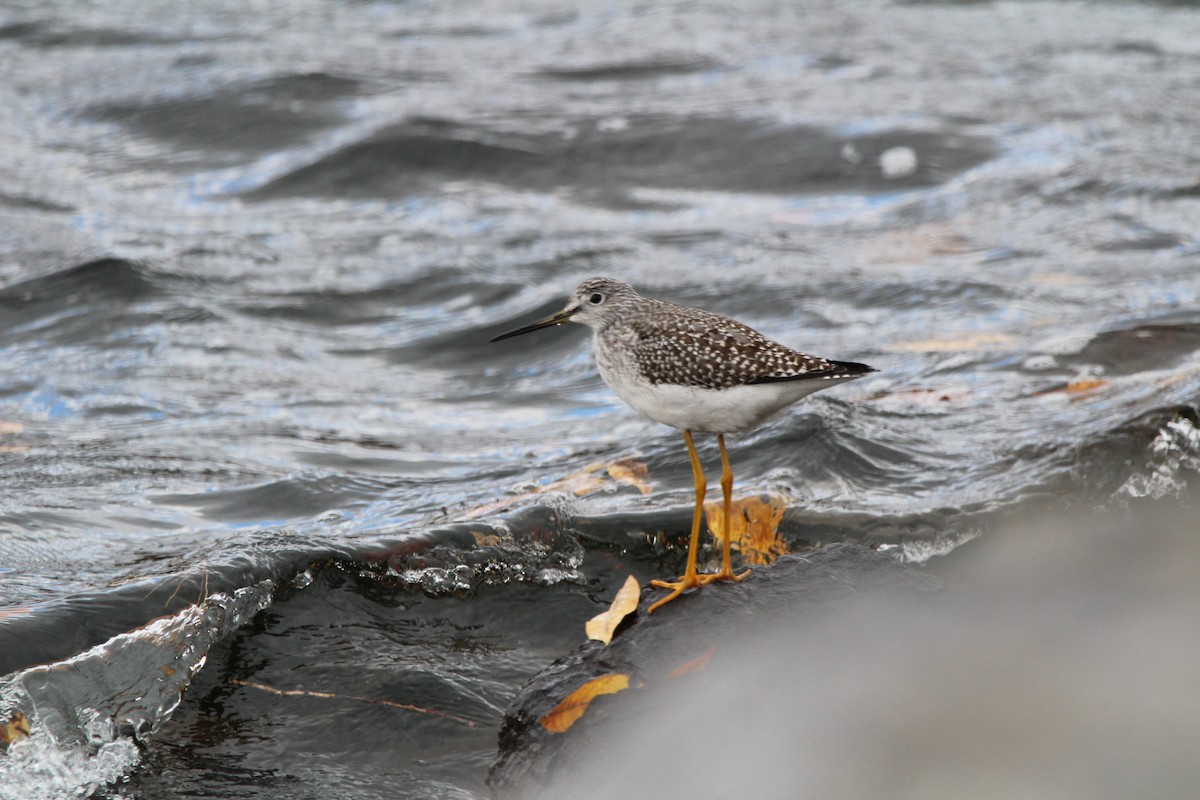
(596, 299)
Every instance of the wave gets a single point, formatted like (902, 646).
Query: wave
(89, 713)
(601, 158)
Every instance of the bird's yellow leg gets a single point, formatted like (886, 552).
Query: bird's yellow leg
(690, 579)
(726, 573)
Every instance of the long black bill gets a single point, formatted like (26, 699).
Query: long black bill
(557, 318)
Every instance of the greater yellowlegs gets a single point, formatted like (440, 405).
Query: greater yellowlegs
(695, 371)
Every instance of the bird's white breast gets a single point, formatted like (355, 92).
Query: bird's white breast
(731, 410)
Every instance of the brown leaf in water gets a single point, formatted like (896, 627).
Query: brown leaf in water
(560, 718)
(583, 482)
(493, 507)
(1076, 389)
(580, 483)
(697, 664)
(17, 727)
(1085, 385)
(755, 523)
(602, 626)
(630, 472)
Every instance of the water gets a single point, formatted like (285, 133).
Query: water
(251, 258)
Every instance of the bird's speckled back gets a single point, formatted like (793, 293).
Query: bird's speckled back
(672, 344)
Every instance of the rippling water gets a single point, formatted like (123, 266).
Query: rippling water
(251, 257)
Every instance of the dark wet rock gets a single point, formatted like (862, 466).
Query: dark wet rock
(692, 632)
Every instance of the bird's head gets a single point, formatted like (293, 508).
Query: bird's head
(593, 302)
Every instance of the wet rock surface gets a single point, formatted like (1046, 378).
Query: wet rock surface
(661, 651)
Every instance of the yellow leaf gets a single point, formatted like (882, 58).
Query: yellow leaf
(755, 523)
(697, 664)
(601, 626)
(16, 728)
(631, 473)
(566, 713)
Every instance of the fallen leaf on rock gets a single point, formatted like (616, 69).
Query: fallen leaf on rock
(485, 539)
(697, 664)
(16, 728)
(755, 523)
(560, 718)
(630, 472)
(601, 626)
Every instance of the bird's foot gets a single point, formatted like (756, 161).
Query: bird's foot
(693, 581)
(726, 574)
(688, 581)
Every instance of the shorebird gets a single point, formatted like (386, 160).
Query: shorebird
(696, 371)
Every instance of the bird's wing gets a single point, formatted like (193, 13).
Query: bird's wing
(713, 352)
